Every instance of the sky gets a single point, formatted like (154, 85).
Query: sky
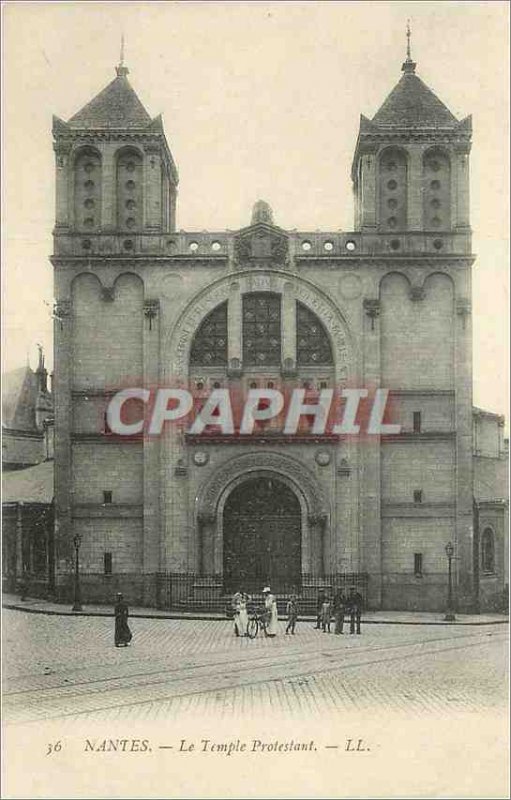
(259, 100)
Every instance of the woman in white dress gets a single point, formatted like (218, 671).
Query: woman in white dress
(270, 604)
(240, 600)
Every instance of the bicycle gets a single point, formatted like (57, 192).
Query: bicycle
(257, 619)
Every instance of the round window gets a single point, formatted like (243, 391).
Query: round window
(328, 246)
(392, 203)
(436, 221)
(392, 185)
(216, 246)
(351, 246)
(130, 185)
(434, 165)
(435, 185)
(392, 222)
(130, 222)
(130, 166)
(89, 203)
(435, 203)
(88, 222)
(306, 246)
(438, 244)
(89, 184)
(130, 204)
(194, 247)
(88, 166)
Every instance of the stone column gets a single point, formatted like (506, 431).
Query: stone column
(206, 527)
(234, 323)
(151, 445)
(288, 324)
(370, 544)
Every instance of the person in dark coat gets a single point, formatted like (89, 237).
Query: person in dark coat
(319, 608)
(123, 634)
(339, 606)
(355, 602)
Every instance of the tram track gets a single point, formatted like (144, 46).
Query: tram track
(164, 684)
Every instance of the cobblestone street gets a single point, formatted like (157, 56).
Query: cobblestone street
(68, 668)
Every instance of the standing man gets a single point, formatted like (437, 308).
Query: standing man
(355, 602)
(292, 614)
(122, 632)
(319, 608)
(339, 604)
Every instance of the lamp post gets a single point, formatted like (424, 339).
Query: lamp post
(450, 615)
(77, 606)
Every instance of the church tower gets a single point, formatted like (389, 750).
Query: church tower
(410, 170)
(115, 172)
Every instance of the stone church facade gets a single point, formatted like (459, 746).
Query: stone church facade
(139, 303)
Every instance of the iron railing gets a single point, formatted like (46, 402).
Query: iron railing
(187, 591)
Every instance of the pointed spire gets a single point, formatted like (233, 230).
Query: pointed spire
(121, 70)
(409, 65)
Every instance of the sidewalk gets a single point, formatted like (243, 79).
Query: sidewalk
(37, 606)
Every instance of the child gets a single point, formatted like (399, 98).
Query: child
(326, 612)
(292, 614)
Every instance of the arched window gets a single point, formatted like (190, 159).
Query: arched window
(129, 189)
(488, 551)
(209, 346)
(87, 190)
(437, 190)
(392, 173)
(261, 329)
(313, 346)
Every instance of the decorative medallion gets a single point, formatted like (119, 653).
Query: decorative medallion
(323, 458)
(200, 458)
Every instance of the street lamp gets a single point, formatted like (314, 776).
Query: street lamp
(450, 615)
(77, 606)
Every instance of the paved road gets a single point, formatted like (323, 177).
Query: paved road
(68, 668)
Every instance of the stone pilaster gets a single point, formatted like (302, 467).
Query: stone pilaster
(368, 191)
(463, 563)
(370, 489)
(62, 386)
(62, 197)
(415, 188)
(152, 188)
(151, 521)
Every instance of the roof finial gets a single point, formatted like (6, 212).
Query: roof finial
(409, 65)
(121, 70)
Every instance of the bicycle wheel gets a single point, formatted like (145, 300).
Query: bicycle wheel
(252, 628)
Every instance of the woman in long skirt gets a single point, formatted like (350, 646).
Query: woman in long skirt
(122, 632)
(270, 604)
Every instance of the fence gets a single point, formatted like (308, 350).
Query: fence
(187, 591)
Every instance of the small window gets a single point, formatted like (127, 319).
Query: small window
(106, 426)
(417, 496)
(417, 422)
(107, 498)
(417, 564)
(488, 551)
(107, 563)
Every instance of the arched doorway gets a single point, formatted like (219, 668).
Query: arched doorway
(262, 536)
